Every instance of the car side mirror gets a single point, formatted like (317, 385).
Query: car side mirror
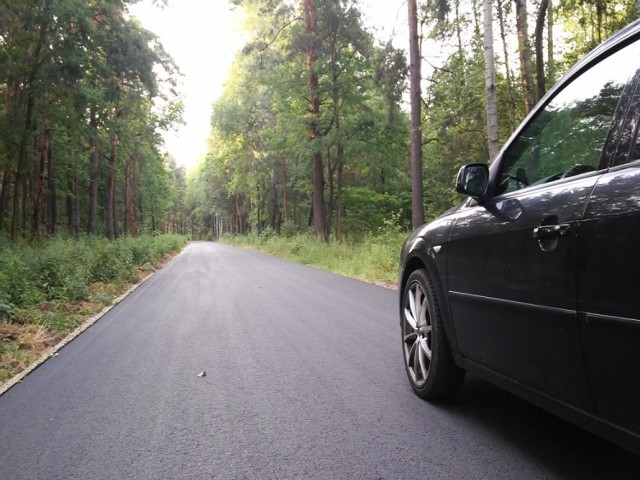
(473, 180)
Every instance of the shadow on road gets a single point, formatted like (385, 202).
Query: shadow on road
(566, 451)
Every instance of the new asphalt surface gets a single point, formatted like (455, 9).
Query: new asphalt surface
(304, 380)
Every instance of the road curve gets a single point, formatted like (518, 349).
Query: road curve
(304, 380)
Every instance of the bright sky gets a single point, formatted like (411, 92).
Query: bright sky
(203, 37)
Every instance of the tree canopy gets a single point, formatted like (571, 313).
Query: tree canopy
(86, 96)
(312, 129)
(314, 119)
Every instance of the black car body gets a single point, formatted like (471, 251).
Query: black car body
(533, 283)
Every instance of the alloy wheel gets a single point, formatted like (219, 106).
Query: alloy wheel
(417, 334)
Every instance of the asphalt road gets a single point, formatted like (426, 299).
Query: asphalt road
(304, 381)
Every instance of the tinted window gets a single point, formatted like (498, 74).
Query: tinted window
(566, 137)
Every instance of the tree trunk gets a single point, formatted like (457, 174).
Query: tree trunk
(490, 84)
(273, 207)
(111, 188)
(261, 208)
(551, 63)
(52, 196)
(95, 165)
(339, 206)
(4, 194)
(285, 196)
(73, 207)
(330, 205)
(458, 26)
(524, 51)
(130, 224)
(40, 181)
(476, 18)
(599, 15)
(509, 77)
(311, 28)
(20, 181)
(417, 202)
(19, 189)
(540, 20)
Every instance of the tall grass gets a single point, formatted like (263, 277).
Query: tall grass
(373, 258)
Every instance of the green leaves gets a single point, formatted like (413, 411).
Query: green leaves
(257, 175)
(83, 71)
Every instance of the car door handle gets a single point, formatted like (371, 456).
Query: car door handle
(546, 231)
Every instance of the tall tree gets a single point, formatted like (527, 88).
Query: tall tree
(311, 29)
(539, 42)
(25, 88)
(417, 201)
(551, 63)
(524, 51)
(511, 102)
(493, 140)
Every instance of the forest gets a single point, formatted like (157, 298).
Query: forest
(312, 132)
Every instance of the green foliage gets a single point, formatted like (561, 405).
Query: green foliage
(18, 285)
(77, 75)
(112, 262)
(56, 271)
(588, 23)
(373, 258)
(64, 268)
(367, 210)
(257, 174)
(257, 178)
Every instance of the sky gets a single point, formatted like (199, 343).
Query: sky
(203, 37)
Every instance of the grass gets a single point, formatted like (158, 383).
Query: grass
(373, 259)
(49, 288)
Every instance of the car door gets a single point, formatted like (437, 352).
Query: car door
(609, 287)
(511, 261)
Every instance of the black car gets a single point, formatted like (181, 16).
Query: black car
(533, 283)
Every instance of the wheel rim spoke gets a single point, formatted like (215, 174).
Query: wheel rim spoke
(424, 365)
(424, 345)
(423, 312)
(410, 319)
(418, 362)
(412, 304)
(417, 334)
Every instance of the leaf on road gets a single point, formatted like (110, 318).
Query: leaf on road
(202, 374)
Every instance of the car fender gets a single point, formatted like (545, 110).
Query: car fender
(420, 252)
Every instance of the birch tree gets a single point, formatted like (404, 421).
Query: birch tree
(490, 83)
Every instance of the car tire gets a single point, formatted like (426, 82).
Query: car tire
(430, 367)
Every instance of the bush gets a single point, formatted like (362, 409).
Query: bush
(17, 283)
(64, 268)
(60, 269)
(112, 261)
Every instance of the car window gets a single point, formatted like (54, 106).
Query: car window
(566, 137)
